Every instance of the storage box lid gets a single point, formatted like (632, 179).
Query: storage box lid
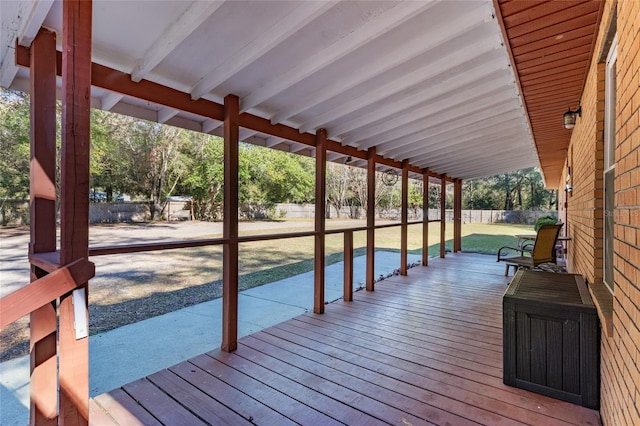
(551, 287)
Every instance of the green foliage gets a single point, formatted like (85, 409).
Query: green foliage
(152, 161)
(14, 145)
(522, 189)
(545, 220)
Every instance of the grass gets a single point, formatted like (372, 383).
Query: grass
(267, 261)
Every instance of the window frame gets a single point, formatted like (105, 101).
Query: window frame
(609, 165)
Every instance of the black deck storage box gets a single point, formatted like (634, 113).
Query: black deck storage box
(551, 337)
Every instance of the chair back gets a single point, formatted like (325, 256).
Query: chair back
(544, 249)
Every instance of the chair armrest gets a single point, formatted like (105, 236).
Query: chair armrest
(508, 248)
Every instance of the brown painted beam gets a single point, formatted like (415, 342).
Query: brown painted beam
(443, 205)
(230, 225)
(320, 221)
(348, 266)
(42, 176)
(457, 215)
(44, 289)
(404, 218)
(425, 218)
(371, 218)
(73, 357)
(117, 81)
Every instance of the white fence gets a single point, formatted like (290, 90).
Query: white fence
(307, 211)
(16, 212)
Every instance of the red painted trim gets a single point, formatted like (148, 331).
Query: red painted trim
(230, 225)
(425, 218)
(371, 218)
(117, 81)
(320, 221)
(73, 357)
(404, 218)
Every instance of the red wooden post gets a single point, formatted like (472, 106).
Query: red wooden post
(230, 225)
(404, 218)
(457, 215)
(443, 205)
(73, 359)
(319, 249)
(425, 218)
(43, 328)
(371, 217)
(348, 266)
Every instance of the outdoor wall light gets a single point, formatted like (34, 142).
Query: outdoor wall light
(569, 117)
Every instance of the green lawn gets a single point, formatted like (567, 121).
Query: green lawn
(266, 261)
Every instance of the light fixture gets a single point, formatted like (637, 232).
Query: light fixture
(569, 117)
(349, 160)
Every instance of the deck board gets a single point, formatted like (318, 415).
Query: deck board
(421, 349)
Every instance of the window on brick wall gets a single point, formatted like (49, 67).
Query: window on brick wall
(609, 162)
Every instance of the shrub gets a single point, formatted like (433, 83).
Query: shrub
(545, 220)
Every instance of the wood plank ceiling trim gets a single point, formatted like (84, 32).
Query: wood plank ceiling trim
(551, 44)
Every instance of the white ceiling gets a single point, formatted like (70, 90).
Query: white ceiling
(427, 81)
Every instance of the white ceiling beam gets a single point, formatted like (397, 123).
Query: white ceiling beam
(165, 114)
(209, 125)
(405, 82)
(420, 141)
(470, 79)
(458, 105)
(488, 166)
(374, 28)
(431, 147)
(8, 69)
(420, 145)
(31, 23)
(289, 25)
(399, 138)
(296, 147)
(182, 27)
(22, 21)
(246, 134)
(469, 147)
(110, 100)
(333, 156)
(273, 141)
(392, 59)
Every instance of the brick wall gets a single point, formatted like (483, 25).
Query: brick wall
(623, 351)
(620, 352)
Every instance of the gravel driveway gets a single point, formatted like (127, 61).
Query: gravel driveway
(131, 287)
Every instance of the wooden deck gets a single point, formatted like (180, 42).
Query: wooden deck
(422, 349)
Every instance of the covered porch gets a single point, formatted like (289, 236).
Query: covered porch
(441, 91)
(425, 348)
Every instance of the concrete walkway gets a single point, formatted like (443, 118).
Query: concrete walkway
(134, 351)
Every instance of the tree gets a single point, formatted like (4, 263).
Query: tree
(14, 144)
(415, 196)
(205, 179)
(337, 185)
(358, 179)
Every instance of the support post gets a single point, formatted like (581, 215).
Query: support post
(73, 358)
(42, 177)
(348, 266)
(425, 218)
(320, 199)
(371, 218)
(230, 225)
(457, 215)
(404, 218)
(443, 215)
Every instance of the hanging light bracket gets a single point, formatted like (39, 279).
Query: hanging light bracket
(569, 117)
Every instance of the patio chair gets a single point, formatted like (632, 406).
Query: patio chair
(544, 250)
